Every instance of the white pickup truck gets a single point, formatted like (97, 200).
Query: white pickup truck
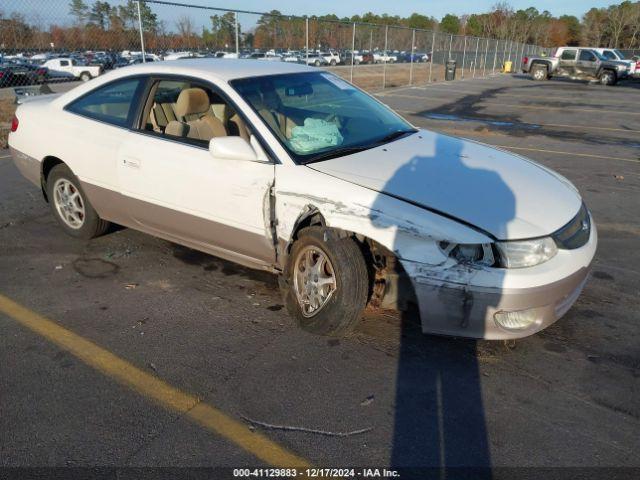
(70, 68)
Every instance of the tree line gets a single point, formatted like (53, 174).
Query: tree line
(101, 25)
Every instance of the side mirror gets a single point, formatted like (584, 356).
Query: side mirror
(232, 148)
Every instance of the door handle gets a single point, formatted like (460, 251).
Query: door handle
(131, 162)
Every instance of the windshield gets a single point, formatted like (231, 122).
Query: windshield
(317, 115)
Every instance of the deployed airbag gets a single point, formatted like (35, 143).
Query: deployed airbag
(314, 135)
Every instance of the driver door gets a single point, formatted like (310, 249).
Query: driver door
(176, 189)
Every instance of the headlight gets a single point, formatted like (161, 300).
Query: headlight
(526, 253)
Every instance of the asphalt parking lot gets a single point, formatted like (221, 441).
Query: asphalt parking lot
(209, 356)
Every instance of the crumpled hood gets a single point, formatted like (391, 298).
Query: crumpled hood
(504, 194)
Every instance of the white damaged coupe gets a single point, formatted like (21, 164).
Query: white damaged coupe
(285, 168)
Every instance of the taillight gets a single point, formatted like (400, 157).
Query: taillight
(41, 71)
(14, 124)
(525, 60)
(1, 74)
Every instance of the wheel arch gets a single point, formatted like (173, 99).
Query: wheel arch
(389, 285)
(47, 165)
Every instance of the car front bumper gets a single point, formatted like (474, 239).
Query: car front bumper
(465, 304)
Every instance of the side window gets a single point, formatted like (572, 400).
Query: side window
(587, 56)
(569, 55)
(609, 55)
(64, 63)
(111, 103)
(190, 111)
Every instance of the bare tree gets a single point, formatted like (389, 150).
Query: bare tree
(185, 27)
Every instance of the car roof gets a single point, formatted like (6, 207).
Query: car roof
(224, 69)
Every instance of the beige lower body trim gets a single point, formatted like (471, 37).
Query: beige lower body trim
(240, 246)
(28, 166)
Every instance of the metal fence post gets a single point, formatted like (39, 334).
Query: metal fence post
(450, 44)
(353, 51)
(306, 40)
(413, 49)
(384, 68)
(237, 36)
(484, 64)
(464, 55)
(475, 60)
(144, 54)
(495, 57)
(433, 42)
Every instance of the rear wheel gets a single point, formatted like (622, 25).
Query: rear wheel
(70, 205)
(608, 77)
(539, 72)
(327, 282)
(85, 76)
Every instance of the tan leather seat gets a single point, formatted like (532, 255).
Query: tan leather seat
(193, 110)
(161, 115)
(269, 107)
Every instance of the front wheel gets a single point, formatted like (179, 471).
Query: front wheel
(70, 205)
(326, 282)
(608, 78)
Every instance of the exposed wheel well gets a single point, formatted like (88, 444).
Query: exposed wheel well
(389, 285)
(47, 164)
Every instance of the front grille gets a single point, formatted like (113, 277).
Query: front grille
(575, 233)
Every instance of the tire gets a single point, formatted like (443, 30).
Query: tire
(342, 308)
(317, 63)
(333, 63)
(87, 222)
(539, 72)
(85, 76)
(608, 77)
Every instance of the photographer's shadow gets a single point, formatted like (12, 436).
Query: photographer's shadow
(440, 421)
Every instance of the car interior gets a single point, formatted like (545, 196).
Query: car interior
(187, 110)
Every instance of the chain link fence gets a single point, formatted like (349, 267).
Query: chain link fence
(67, 40)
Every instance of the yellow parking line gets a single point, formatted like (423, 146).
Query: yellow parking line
(169, 397)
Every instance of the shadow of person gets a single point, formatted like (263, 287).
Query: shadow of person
(440, 426)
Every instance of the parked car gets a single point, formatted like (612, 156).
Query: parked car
(314, 59)
(21, 74)
(577, 63)
(617, 55)
(266, 56)
(416, 57)
(70, 68)
(284, 168)
(332, 57)
(352, 57)
(384, 57)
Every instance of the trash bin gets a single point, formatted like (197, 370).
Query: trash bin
(450, 70)
(508, 67)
